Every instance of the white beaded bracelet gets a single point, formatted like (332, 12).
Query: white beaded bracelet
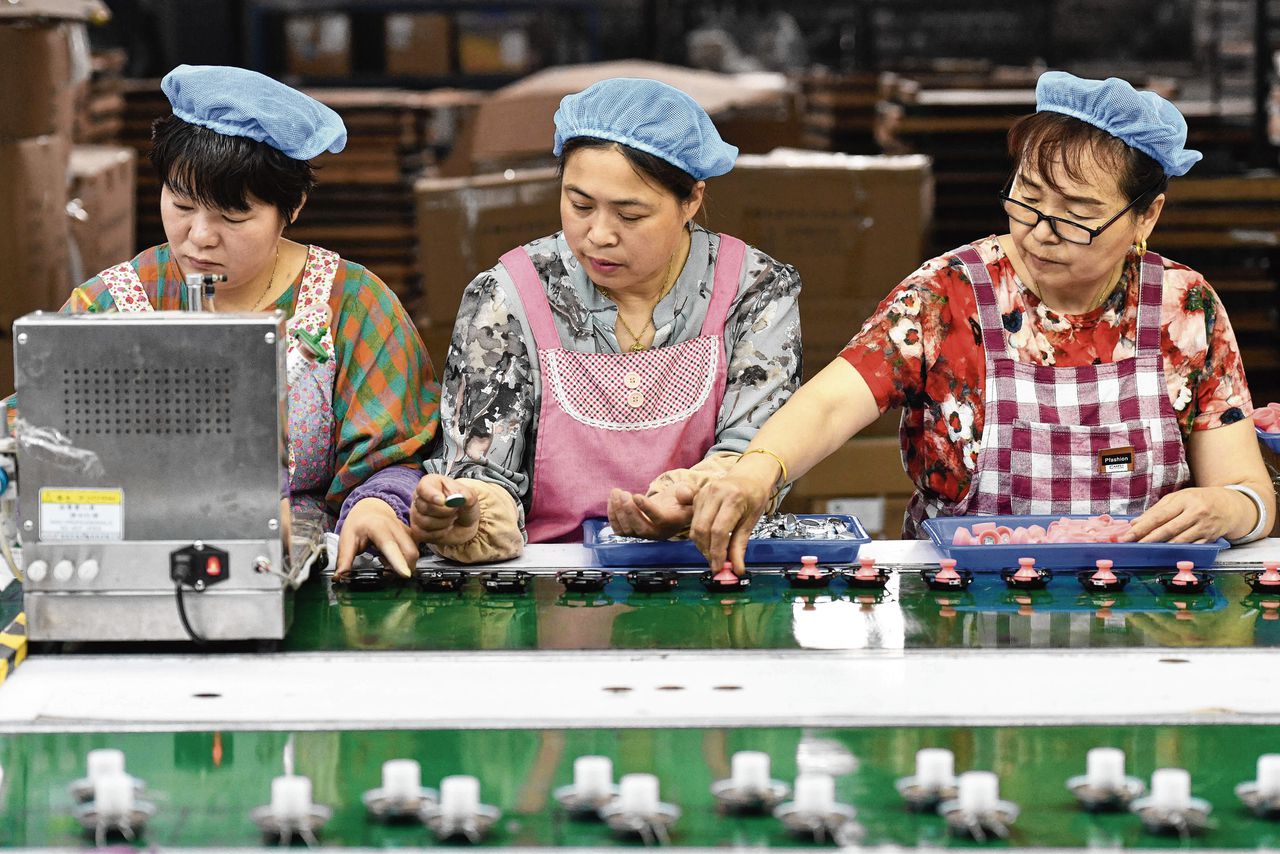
(1264, 524)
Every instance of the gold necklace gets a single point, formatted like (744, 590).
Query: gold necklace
(636, 346)
(267, 289)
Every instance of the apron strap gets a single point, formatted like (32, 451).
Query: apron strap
(988, 312)
(313, 295)
(126, 288)
(1150, 302)
(533, 296)
(724, 287)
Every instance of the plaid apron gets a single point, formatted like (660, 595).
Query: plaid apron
(1090, 439)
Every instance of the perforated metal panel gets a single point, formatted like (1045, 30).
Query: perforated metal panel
(107, 401)
(181, 411)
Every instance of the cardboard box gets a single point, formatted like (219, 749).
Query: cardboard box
(852, 225)
(318, 45)
(34, 237)
(466, 224)
(41, 83)
(514, 126)
(102, 185)
(419, 44)
(862, 466)
(495, 43)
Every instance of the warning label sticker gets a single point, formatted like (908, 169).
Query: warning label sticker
(78, 514)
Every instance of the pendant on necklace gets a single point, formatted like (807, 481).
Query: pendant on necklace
(636, 346)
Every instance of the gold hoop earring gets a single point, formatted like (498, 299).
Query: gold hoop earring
(1141, 246)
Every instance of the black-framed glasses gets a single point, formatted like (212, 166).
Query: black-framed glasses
(1068, 230)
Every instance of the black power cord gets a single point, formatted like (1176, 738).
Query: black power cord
(182, 615)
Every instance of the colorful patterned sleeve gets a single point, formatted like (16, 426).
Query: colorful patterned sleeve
(894, 345)
(1202, 360)
(386, 400)
(762, 333)
(489, 427)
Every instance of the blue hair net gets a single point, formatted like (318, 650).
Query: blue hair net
(239, 102)
(1143, 120)
(650, 116)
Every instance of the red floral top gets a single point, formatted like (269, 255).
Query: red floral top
(922, 350)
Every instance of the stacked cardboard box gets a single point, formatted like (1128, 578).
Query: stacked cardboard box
(852, 225)
(47, 60)
(964, 132)
(318, 46)
(364, 206)
(100, 117)
(464, 227)
(102, 204)
(143, 104)
(840, 111)
(514, 128)
(419, 44)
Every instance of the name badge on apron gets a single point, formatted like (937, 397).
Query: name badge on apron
(1115, 460)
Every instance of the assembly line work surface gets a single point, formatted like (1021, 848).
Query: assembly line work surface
(772, 615)
(204, 784)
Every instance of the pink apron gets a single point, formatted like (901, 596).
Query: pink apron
(311, 426)
(619, 419)
(1090, 439)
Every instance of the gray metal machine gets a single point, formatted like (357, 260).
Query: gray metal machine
(151, 472)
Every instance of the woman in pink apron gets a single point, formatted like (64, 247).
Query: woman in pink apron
(609, 369)
(233, 161)
(1060, 368)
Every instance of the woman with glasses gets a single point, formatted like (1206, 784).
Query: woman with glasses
(1059, 368)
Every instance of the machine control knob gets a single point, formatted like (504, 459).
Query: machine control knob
(63, 570)
(37, 570)
(87, 570)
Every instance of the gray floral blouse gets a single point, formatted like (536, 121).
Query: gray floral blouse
(491, 391)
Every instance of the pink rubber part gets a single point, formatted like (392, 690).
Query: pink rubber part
(726, 574)
(1026, 570)
(866, 569)
(1185, 574)
(981, 527)
(962, 537)
(808, 567)
(988, 538)
(1104, 573)
(947, 572)
(1270, 572)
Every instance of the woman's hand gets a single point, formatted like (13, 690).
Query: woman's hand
(660, 516)
(444, 511)
(1191, 515)
(373, 522)
(726, 509)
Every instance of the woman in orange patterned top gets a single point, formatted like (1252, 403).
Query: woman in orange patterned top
(1060, 368)
(233, 161)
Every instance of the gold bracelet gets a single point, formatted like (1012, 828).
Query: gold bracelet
(782, 481)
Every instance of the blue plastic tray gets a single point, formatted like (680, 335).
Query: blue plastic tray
(1271, 440)
(685, 553)
(1062, 555)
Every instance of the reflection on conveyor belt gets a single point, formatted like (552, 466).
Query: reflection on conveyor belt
(454, 608)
